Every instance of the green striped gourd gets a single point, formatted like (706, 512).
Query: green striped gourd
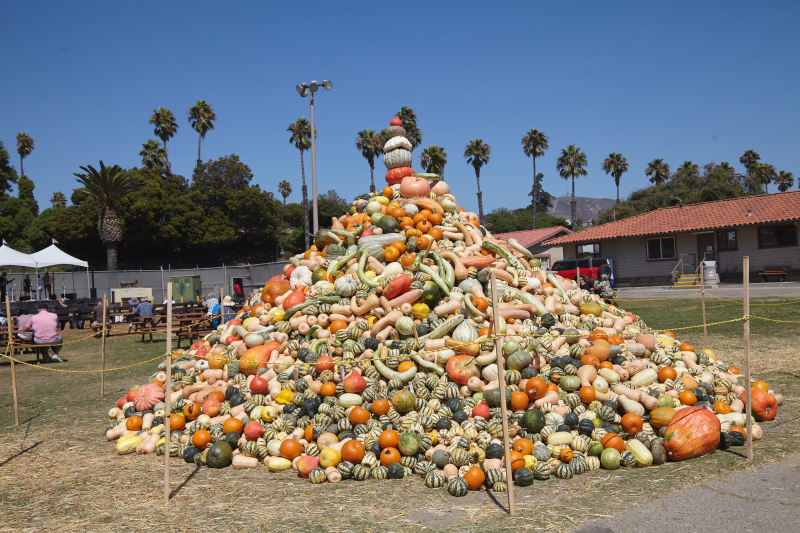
(564, 471)
(457, 487)
(435, 479)
(317, 476)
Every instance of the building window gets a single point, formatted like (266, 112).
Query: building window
(663, 248)
(726, 240)
(777, 236)
(588, 250)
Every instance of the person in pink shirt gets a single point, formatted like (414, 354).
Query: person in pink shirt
(44, 326)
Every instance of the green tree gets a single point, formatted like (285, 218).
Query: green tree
(24, 149)
(763, 173)
(658, 171)
(153, 154)
(370, 146)
(285, 188)
(616, 165)
(477, 154)
(749, 158)
(570, 165)
(165, 128)
(8, 174)
(108, 186)
(433, 159)
(409, 119)
(784, 181)
(301, 138)
(202, 118)
(534, 143)
(58, 199)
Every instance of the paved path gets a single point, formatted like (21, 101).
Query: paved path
(762, 500)
(788, 289)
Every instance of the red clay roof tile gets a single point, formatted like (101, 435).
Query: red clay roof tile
(735, 212)
(532, 236)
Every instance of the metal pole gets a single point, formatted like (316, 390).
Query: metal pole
(103, 348)
(748, 404)
(13, 368)
(168, 394)
(314, 168)
(703, 303)
(498, 348)
(162, 281)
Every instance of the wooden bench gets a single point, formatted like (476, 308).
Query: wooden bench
(20, 345)
(774, 271)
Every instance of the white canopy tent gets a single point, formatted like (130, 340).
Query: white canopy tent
(53, 256)
(9, 257)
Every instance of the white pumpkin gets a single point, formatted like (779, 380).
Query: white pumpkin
(397, 142)
(346, 286)
(397, 158)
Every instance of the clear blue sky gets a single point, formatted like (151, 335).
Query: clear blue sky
(700, 81)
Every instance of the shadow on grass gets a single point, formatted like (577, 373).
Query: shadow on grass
(496, 501)
(183, 484)
(32, 446)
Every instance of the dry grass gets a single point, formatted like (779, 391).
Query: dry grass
(58, 472)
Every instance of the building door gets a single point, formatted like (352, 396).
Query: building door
(706, 247)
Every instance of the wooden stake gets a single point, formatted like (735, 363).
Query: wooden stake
(498, 347)
(703, 303)
(103, 349)
(11, 352)
(748, 405)
(167, 394)
(578, 278)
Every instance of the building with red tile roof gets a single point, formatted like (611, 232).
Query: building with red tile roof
(532, 240)
(646, 248)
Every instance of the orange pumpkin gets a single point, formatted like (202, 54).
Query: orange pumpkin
(523, 446)
(686, 347)
(405, 365)
(722, 408)
(389, 439)
(693, 431)
(176, 422)
(389, 456)
(519, 401)
(273, 289)
(480, 303)
(232, 424)
(591, 360)
(600, 349)
(761, 385)
(192, 411)
(358, 416)
(687, 397)
(688, 381)
(566, 455)
(133, 423)
(255, 358)
(391, 254)
(327, 389)
(764, 405)
(597, 335)
(615, 340)
(408, 259)
(353, 451)
(667, 373)
(631, 423)
(387, 192)
(612, 440)
(201, 438)
(291, 449)
(606, 364)
(337, 325)
(661, 416)
(474, 478)
(739, 429)
(462, 367)
(308, 433)
(517, 461)
(380, 407)
(436, 234)
(587, 394)
(537, 388)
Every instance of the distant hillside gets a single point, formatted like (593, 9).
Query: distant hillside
(585, 208)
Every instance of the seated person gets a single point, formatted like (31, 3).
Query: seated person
(97, 318)
(144, 310)
(44, 326)
(23, 317)
(226, 309)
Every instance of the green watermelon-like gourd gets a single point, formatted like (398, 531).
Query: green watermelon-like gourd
(409, 443)
(541, 470)
(532, 421)
(457, 487)
(219, 455)
(564, 471)
(610, 459)
(435, 479)
(317, 476)
(524, 476)
(396, 471)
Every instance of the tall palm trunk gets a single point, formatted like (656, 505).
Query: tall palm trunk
(305, 203)
(372, 175)
(166, 158)
(533, 207)
(617, 187)
(111, 255)
(21, 169)
(572, 204)
(199, 138)
(480, 195)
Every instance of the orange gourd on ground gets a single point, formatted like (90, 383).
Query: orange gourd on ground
(693, 431)
(232, 424)
(353, 451)
(389, 439)
(389, 456)
(519, 400)
(380, 407)
(523, 446)
(176, 422)
(631, 423)
(612, 440)
(566, 455)
(667, 373)
(201, 438)
(765, 405)
(291, 449)
(133, 423)
(517, 461)
(537, 388)
(474, 478)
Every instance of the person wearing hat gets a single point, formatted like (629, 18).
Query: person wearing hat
(225, 309)
(211, 303)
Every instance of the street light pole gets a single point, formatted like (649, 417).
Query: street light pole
(314, 169)
(306, 89)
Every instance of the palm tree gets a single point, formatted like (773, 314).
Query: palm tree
(202, 118)
(285, 189)
(784, 181)
(433, 159)
(749, 158)
(534, 144)
(764, 173)
(153, 154)
(689, 168)
(58, 199)
(616, 165)
(108, 186)
(370, 145)
(409, 118)
(165, 128)
(569, 165)
(24, 149)
(658, 171)
(301, 137)
(477, 154)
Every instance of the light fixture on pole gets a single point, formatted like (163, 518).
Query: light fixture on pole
(304, 89)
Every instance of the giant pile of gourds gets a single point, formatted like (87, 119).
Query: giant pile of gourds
(374, 357)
